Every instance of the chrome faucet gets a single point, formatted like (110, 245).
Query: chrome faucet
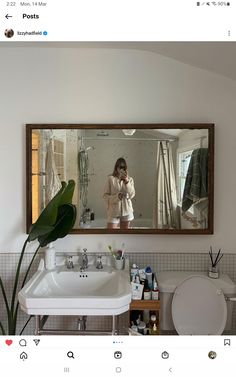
(84, 260)
(69, 262)
(99, 265)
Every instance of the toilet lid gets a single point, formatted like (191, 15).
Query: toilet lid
(199, 307)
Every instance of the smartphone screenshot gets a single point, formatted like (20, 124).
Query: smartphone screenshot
(117, 247)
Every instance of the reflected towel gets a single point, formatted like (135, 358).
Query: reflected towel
(196, 184)
(53, 183)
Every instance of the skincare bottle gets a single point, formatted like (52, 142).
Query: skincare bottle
(155, 290)
(92, 216)
(133, 271)
(50, 257)
(154, 330)
(142, 275)
(148, 271)
(154, 326)
(146, 291)
(87, 215)
(81, 222)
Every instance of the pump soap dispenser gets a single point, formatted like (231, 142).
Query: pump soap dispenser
(50, 257)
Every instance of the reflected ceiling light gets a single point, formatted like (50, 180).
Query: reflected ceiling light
(129, 132)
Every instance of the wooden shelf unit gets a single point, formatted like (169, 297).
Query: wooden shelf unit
(145, 305)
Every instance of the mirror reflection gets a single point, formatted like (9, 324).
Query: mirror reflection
(143, 178)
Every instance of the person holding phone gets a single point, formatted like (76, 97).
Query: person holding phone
(118, 192)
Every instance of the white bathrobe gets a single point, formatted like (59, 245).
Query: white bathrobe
(115, 206)
(53, 183)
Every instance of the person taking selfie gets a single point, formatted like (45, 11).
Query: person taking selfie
(118, 192)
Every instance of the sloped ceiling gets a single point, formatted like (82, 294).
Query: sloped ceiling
(216, 57)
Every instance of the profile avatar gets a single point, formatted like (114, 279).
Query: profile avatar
(212, 355)
(9, 33)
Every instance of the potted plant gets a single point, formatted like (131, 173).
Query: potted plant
(55, 221)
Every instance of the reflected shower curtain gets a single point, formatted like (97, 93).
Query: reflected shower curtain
(165, 214)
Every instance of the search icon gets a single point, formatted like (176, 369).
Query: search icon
(70, 354)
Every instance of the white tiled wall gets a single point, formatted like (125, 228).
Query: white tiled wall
(158, 262)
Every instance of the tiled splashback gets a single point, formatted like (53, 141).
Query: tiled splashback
(158, 262)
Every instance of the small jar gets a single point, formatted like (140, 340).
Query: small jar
(134, 328)
(141, 327)
(213, 272)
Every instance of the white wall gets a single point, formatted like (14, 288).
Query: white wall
(46, 85)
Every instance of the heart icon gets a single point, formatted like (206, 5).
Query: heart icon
(8, 342)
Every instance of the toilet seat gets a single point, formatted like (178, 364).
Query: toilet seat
(199, 307)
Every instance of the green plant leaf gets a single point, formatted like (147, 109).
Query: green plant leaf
(67, 194)
(46, 220)
(48, 216)
(37, 230)
(23, 328)
(65, 222)
(16, 281)
(22, 285)
(56, 220)
(2, 329)
(4, 296)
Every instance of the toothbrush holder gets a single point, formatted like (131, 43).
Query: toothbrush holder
(119, 264)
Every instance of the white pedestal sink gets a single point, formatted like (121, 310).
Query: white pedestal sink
(71, 292)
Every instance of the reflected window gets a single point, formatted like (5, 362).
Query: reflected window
(183, 163)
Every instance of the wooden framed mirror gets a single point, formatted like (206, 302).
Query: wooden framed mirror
(167, 186)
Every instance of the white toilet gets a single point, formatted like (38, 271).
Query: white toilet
(193, 304)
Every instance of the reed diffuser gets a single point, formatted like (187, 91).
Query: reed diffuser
(213, 271)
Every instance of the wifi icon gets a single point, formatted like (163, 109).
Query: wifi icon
(36, 341)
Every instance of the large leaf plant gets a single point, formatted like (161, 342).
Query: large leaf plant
(55, 221)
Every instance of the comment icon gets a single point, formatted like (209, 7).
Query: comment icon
(22, 343)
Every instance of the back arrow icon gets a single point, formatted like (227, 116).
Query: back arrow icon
(7, 16)
(170, 370)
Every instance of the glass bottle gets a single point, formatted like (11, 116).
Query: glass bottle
(154, 325)
(147, 294)
(155, 291)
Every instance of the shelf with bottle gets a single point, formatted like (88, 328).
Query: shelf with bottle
(145, 304)
(144, 321)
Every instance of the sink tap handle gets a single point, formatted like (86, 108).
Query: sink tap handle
(85, 256)
(69, 262)
(84, 259)
(99, 265)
